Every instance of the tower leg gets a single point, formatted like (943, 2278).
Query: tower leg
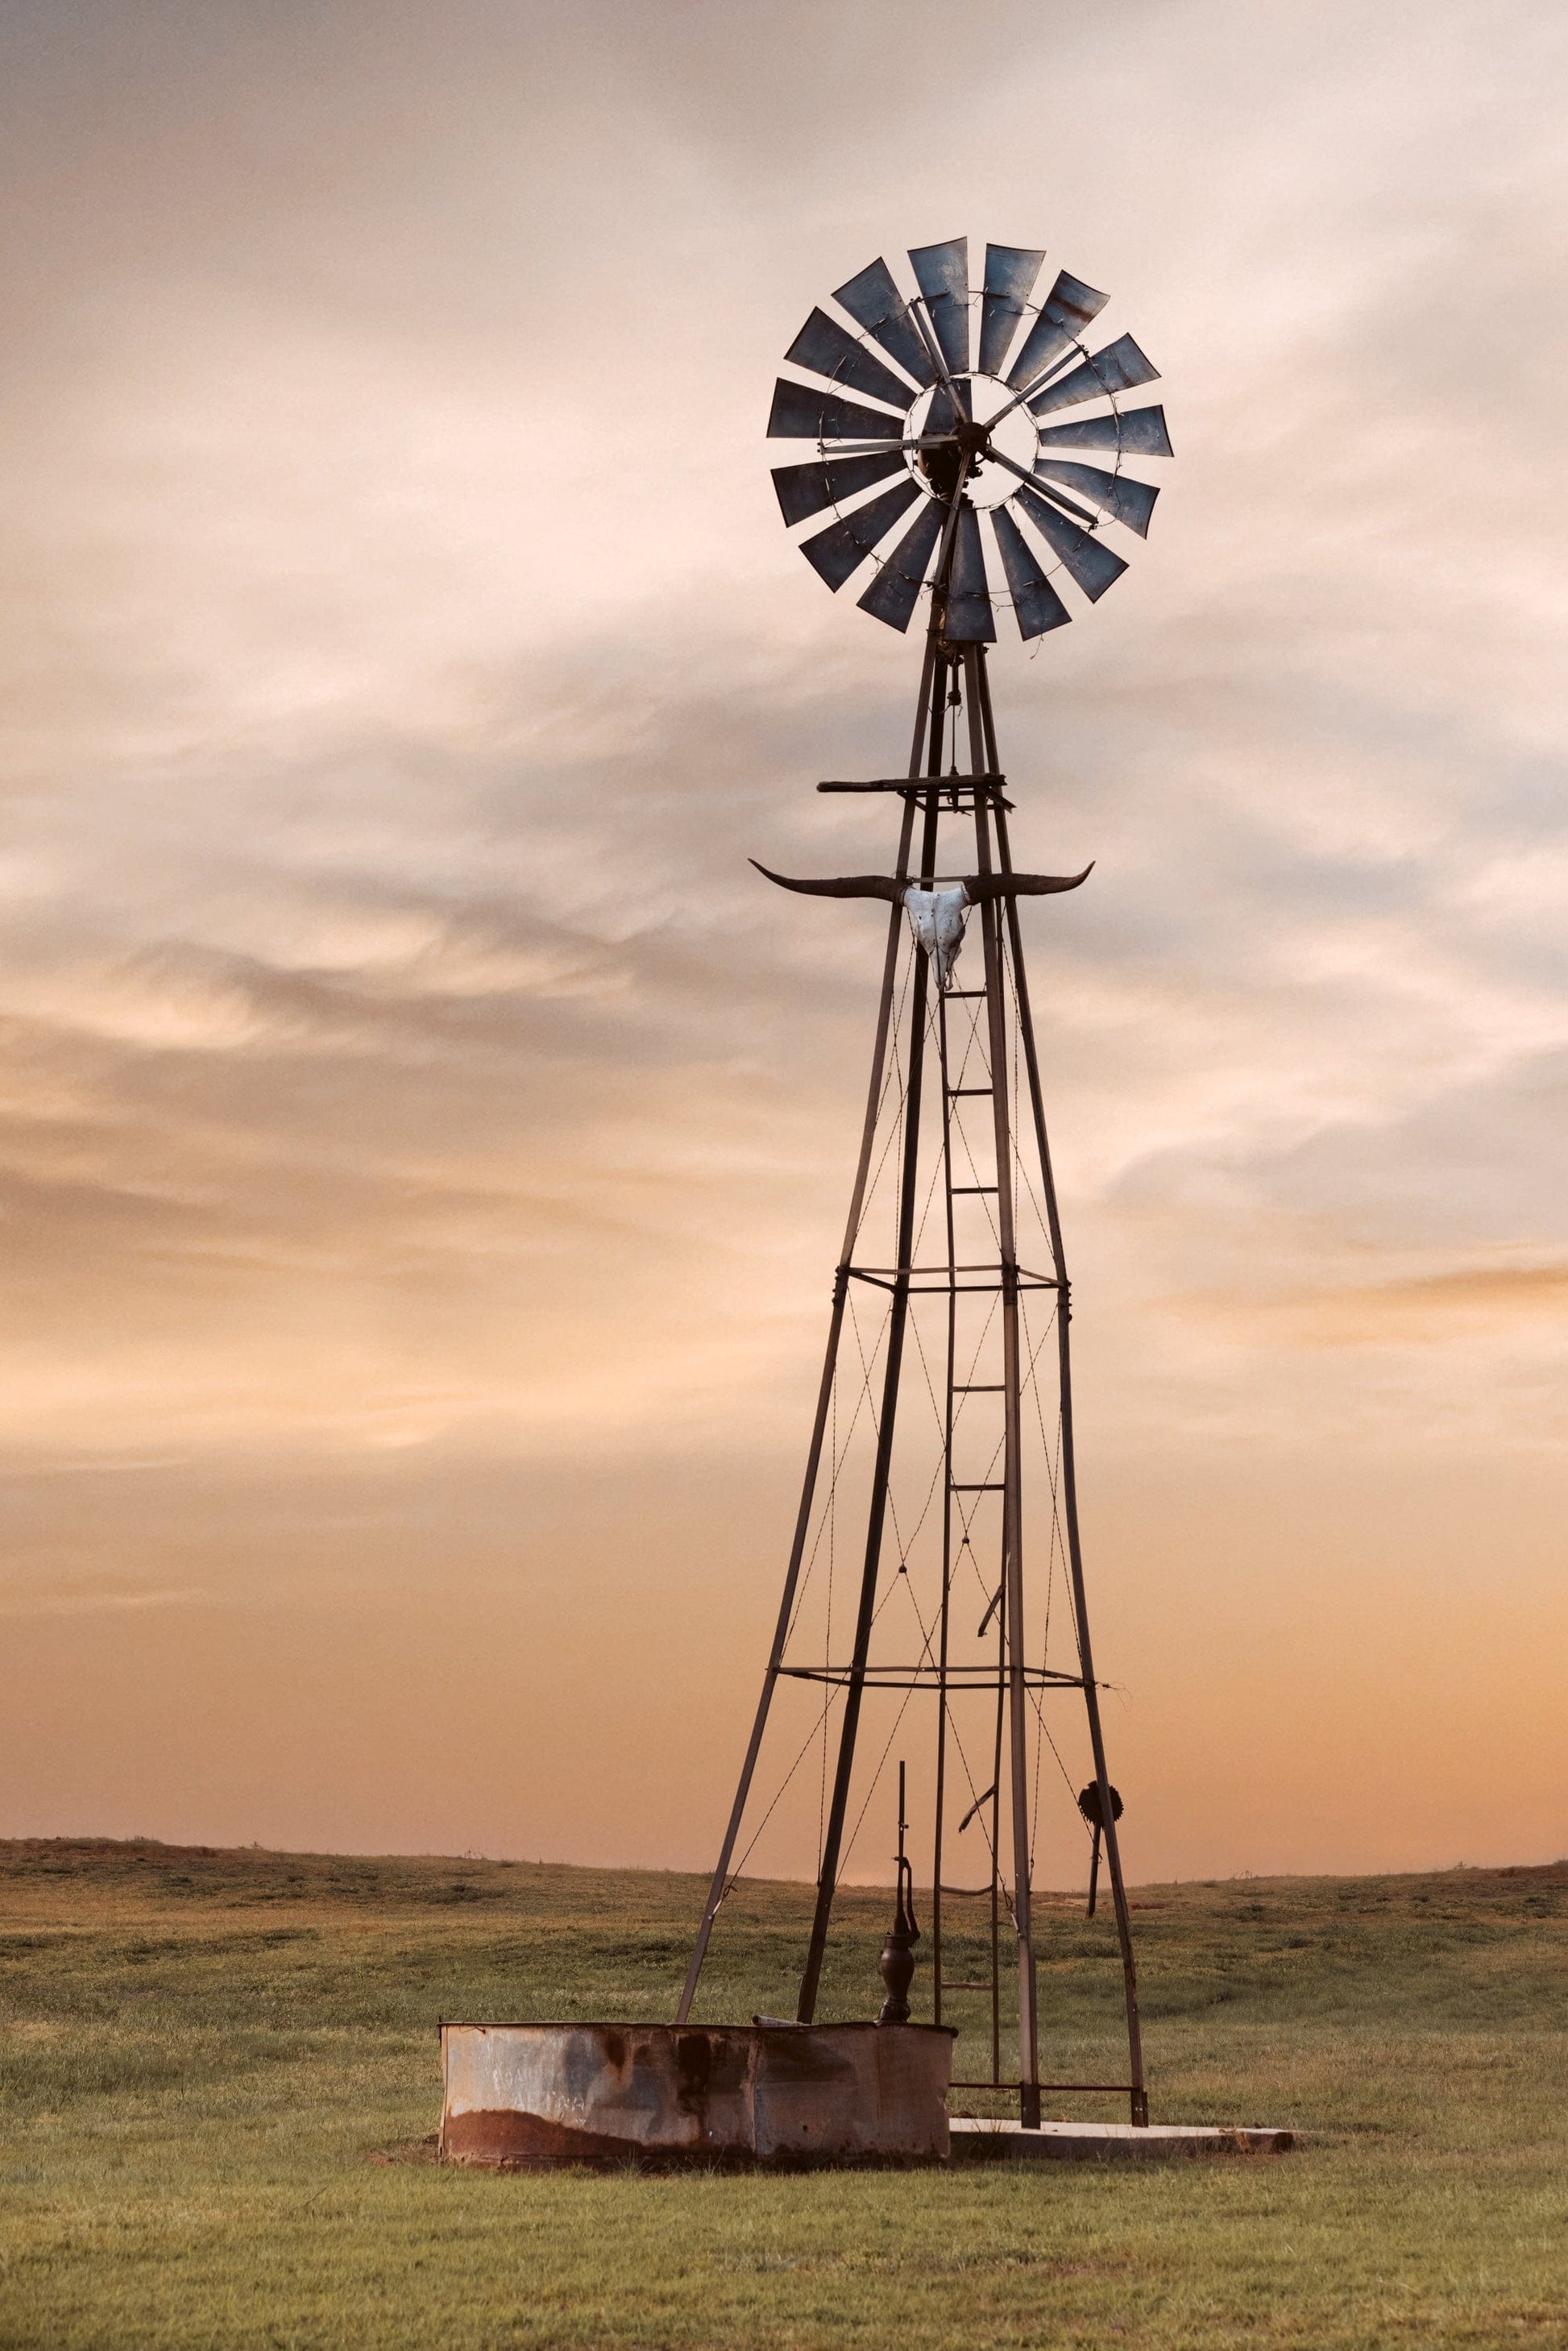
(898, 1321)
(925, 724)
(1138, 2093)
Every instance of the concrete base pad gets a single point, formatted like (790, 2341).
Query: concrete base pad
(985, 2141)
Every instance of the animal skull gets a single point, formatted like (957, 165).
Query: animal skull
(937, 918)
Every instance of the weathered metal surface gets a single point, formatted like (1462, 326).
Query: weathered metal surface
(894, 592)
(1006, 2142)
(1065, 312)
(1010, 273)
(1120, 367)
(530, 2096)
(1135, 432)
(1117, 494)
(942, 274)
(823, 346)
(950, 409)
(874, 302)
(843, 546)
(1036, 604)
(970, 619)
(801, 413)
(806, 490)
(1093, 564)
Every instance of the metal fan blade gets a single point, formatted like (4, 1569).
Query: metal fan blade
(1116, 495)
(845, 544)
(1117, 368)
(1036, 604)
(1010, 273)
(874, 302)
(942, 274)
(823, 346)
(806, 490)
(950, 408)
(1065, 505)
(969, 619)
(1064, 314)
(801, 414)
(1089, 560)
(1136, 433)
(894, 592)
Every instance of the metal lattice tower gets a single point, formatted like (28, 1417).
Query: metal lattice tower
(943, 1435)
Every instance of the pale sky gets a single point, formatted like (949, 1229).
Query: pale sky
(426, 1140)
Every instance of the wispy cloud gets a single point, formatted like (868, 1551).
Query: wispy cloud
(99, 1602)
(398, 1060)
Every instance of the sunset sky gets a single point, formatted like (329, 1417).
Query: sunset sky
(426, 1140)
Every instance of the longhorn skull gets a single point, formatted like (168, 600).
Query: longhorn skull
(936, 917)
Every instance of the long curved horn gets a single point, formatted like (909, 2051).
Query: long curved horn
(845, 885)
(979, 887)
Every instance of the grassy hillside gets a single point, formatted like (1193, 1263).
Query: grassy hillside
(205, 2055)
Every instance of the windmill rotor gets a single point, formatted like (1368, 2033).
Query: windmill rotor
(920, 423)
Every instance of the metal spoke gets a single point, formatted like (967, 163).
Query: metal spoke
(1035, 383)
(1044, 489)
(872, 448)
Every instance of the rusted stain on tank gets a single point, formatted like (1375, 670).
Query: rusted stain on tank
(801, 2054)
(510, 2141)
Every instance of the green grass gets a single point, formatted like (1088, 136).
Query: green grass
(202, 2052)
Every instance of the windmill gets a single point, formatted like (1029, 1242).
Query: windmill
(975, 471)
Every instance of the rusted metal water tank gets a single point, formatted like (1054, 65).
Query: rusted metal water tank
(528, 2096)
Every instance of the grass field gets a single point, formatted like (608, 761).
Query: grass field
(207, 2054)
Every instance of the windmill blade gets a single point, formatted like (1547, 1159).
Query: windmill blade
(799, 412)
(1117, 368)
(1065, 505)
(1089, 560)
(1036, 604)
(1010, 273)
(894, 592)
(843, 546)
(874, 302)
(1064, 315)
(1116, 495)
(823, 346)
(1135, 432)
(942, 274)
(969, 618)
(806, 490)
(951, 408)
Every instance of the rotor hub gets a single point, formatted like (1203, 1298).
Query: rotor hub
(963, 456)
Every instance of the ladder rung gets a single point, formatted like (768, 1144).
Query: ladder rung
(965, 991)
(954, 1093)
(997, 1489)
(958, 1188)
(977, 1387)
(948, 1986)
